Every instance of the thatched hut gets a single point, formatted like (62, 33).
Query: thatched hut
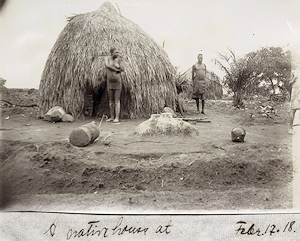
(214, 88)
(74, 74)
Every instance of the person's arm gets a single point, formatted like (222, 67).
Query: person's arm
(122, 67)
(292, 79)
(193, 73)
(110, 67)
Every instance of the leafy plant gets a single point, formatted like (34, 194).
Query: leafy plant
(2, 82)
(238, 79)
(266, 71)
(272, 70)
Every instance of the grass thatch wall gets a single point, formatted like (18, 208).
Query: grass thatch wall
(214, 88)
(75, 67)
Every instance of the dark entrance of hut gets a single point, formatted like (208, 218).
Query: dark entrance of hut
(95, 101)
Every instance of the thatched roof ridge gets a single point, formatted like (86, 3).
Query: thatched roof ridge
(214, 89)
(76, 62)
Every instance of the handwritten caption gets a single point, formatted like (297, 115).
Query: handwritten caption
(270, 229)
(94, 228)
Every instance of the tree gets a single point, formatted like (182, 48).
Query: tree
(2, 82)
(272, 70)
(3, 90)
(238, 79)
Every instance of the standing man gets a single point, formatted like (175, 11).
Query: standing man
(114, 69)
(199, 84)
(295, 98)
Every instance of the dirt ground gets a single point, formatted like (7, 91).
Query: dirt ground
(42, 171)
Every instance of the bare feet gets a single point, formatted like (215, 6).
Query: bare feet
(116, 120)
(109, 120)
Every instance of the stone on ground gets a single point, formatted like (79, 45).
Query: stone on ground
(165, 124)
(67, 118)
(54, 114)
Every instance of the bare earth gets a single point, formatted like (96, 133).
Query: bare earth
(42, 171)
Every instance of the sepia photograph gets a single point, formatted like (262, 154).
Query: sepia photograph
(142, 107)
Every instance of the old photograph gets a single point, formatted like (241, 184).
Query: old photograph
(149, 106)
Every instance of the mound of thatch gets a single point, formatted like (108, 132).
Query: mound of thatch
(214, 88)
(74, 74)
(165, 124)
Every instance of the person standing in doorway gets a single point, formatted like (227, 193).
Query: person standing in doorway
(199, 83)
(114, 69)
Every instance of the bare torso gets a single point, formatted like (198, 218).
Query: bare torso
(199, 71)
(114, 67)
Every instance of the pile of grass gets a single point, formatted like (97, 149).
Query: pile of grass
(75, 66)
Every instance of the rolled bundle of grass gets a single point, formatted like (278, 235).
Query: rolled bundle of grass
(76, 64)
(84, 135)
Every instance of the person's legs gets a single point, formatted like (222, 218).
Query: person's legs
(203, 103)
(197, 104)
(179, 106)
(292, 117)
(117, 105)
(111, 104)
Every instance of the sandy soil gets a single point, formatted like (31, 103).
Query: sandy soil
(42, 171)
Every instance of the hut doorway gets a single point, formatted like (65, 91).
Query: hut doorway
(88, 101)
(93, 100)
(98, 99)
(100, 102)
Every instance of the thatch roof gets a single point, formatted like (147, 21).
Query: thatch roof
(75, 66)
(214, 88)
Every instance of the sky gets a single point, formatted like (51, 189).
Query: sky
(29, 29)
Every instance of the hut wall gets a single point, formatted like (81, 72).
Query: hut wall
(76, 62)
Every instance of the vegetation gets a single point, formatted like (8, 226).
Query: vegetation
(2, 82)
(266, 71)
(272, 70)
(3, 90)
(238, 75)
(181, 81)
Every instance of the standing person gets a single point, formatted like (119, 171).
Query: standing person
(199, 84)
(295, 98)
(114, 69)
